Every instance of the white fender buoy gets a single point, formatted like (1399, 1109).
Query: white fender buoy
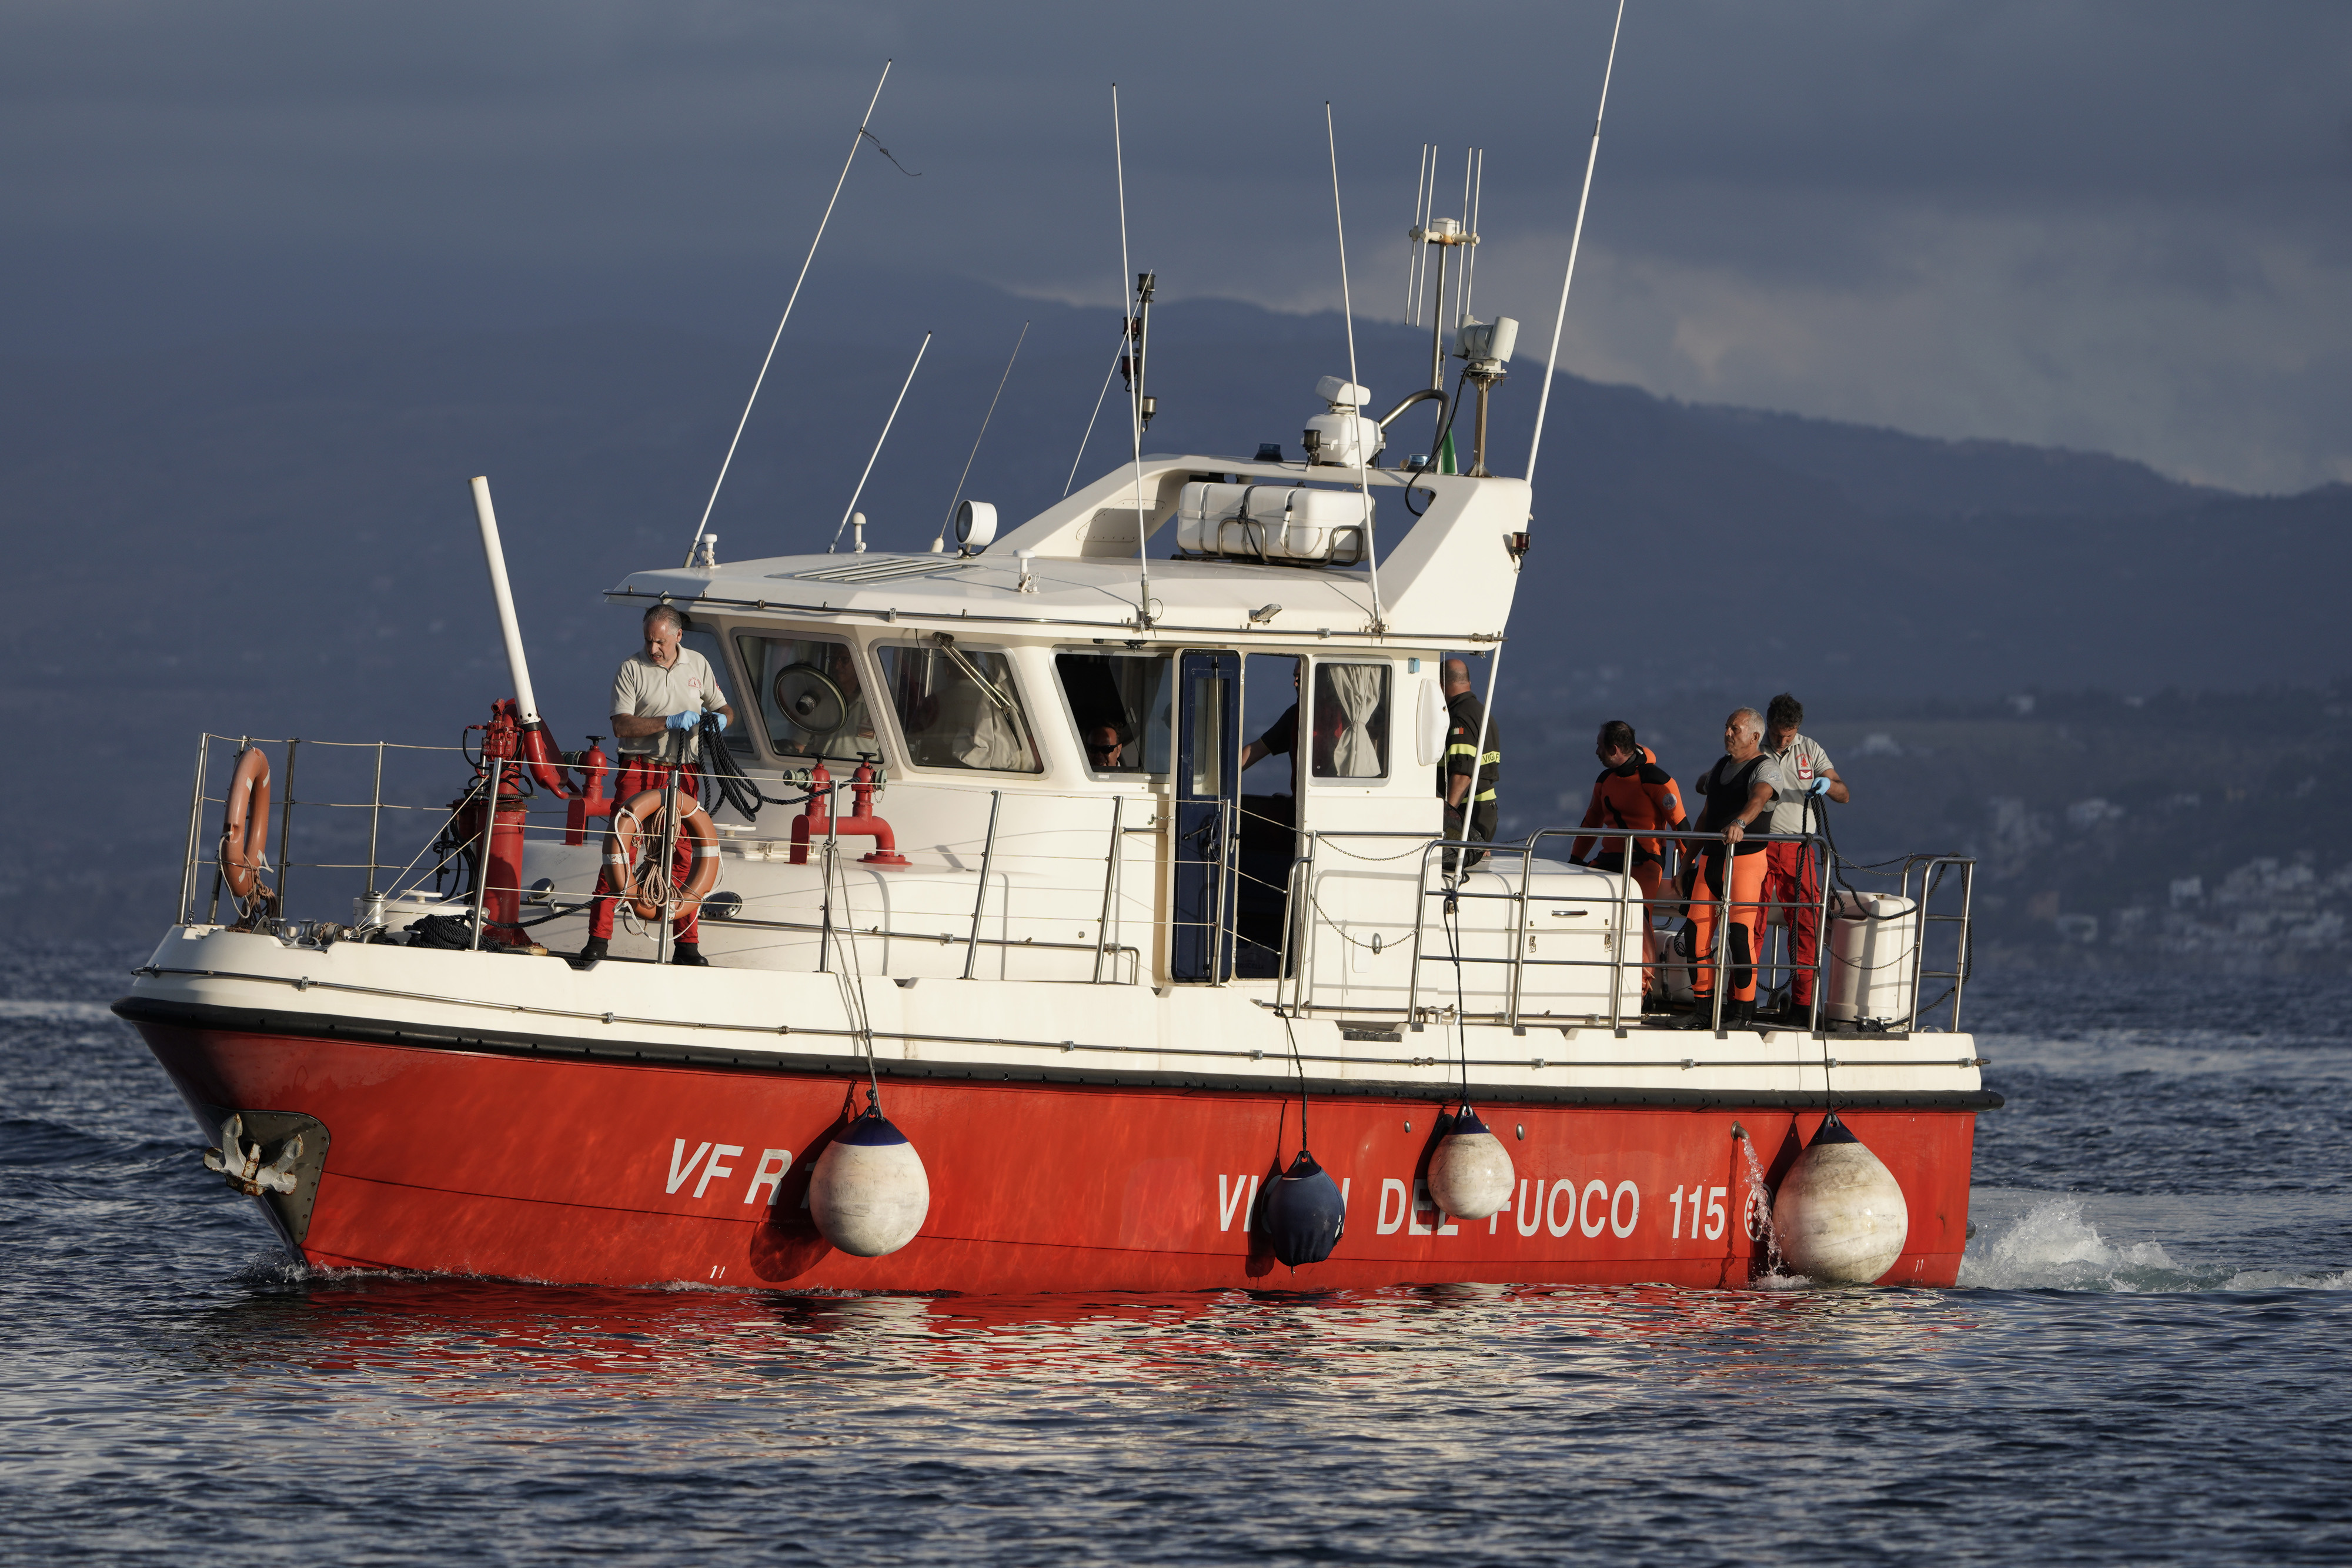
(868, 1193)
(1840, 1215)
(1470, 1176)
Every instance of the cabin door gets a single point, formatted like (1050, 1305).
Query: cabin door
(1208, 784)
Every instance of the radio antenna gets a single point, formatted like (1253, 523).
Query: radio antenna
(878, 440)
(1470, 262)
(1461, 273)
(1117, 355)
(940, 543)
(862, 134)
(1347, 313)
(1413, 247)
(1575, 239)
(1135, 400)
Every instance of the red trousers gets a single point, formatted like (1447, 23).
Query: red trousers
(635, 775)
(1744, 943)
(1792, 877)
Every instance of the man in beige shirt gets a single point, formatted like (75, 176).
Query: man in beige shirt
(659, 697)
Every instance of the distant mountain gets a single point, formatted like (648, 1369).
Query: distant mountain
(270, 534)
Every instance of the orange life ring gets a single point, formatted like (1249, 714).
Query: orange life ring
(639, 818)
(245, 824)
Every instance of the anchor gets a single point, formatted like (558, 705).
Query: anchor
(241, 1166)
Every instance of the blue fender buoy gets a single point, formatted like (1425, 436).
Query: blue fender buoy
(1301, 1215)
(869, 1194)
(1470, 1175)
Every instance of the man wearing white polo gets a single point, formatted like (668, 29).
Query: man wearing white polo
(659, 697)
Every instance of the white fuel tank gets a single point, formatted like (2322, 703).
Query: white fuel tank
(1874, 940)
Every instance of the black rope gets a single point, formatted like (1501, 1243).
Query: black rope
(721, 779)
(1437, 447)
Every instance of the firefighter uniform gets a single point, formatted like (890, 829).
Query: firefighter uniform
(1638, 795)
(1792, 873)
(1727, 787)
(1474, 818)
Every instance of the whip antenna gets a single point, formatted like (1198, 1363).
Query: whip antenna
(1118, 354)
(863, 135)
(878, 448)
(1135, 400)
(940, 543)
(1461, 273)
(1577, 239)
(1414, 247)
(1348, 312)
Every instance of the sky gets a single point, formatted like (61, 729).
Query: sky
(2122, 227)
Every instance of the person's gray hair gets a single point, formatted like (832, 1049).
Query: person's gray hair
(671, 613)
(1755, 720)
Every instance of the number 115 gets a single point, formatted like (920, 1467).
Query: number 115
(1715, 1216)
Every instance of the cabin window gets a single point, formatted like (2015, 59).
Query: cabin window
(1119, 703)
(959, 707)
(706, 642)
(1351, 721)
(810, 696)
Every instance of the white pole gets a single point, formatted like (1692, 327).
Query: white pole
(1348, 312)
(940, 542)
(1413, 247)
(761, 379)
(494, 555)
(1135, 393)
(878, 440)
(1593, 157)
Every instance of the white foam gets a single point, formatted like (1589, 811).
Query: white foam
(2287, 1279)
(54, 1011)
(2053, 1247)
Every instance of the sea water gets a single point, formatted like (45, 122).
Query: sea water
(2146, 1363)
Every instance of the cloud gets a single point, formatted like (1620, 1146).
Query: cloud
(2107, 224)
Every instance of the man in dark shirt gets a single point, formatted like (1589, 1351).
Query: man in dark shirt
(1468, 776)
(1739, 789)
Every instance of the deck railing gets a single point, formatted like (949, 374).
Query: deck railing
(1934, 895)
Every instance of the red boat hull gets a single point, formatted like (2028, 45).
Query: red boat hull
(621, 1172)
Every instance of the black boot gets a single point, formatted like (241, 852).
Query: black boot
(1739, 1015)
(688, 953)
(590, 953)
(1701, 1014)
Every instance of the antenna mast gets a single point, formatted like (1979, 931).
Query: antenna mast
(1137, 318)
(704, 526)
(940, 543)
(1576, 239)
(1348, 312)
(877, 450)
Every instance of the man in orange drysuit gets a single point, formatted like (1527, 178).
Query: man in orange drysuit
(1740, 789)
(1631, 793)
(1792, 873)
(659, 697)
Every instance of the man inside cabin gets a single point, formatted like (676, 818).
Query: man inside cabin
(1793, 875)
(659, 695)
(1740, 789)
(1470, 773)
(1105, 747)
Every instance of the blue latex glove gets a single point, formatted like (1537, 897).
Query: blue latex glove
(683, 720)
(722, 718)
(1820, 786)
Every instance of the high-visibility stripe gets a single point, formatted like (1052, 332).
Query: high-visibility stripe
(1488, 796)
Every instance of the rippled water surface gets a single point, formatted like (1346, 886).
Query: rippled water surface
(2146, 1363)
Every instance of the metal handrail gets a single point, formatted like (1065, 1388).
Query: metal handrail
(1295, 981)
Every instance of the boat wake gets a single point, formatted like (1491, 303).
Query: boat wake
(2052, 1247)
